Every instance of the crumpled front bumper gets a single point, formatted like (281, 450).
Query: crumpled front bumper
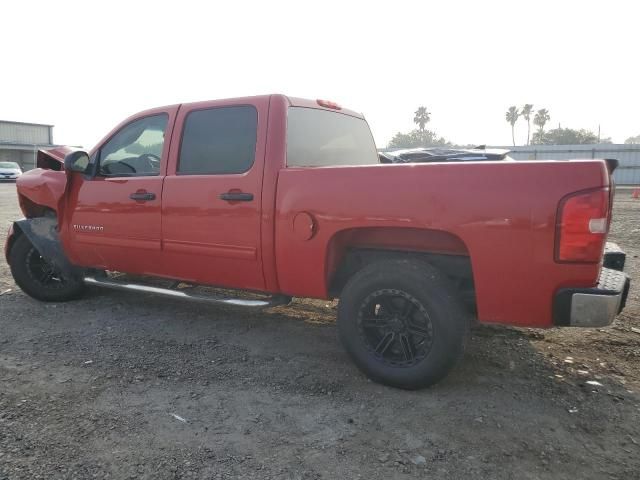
(592, 307)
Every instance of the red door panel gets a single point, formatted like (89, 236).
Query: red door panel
(114, 219)
(216, 242)
(211, 222)
(108, 229)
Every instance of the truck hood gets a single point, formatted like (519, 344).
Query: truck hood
(53, 158)
(44, 186)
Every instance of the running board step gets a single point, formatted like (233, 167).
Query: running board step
(137, 287)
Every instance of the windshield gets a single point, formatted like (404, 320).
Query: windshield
(319, 138)
(9, 165)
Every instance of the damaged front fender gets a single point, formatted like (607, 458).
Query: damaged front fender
(41, 195)
(42, 232)
(40, 188)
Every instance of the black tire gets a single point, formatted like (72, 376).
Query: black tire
(402, 323)
(37, 278)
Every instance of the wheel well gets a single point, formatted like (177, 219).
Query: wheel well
(456, 267)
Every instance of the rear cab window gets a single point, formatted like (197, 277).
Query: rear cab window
(322, 138)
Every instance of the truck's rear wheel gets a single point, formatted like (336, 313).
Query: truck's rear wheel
(37, 277)
(402, 323)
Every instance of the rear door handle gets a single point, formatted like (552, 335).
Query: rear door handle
(236, 197)
(142, 196)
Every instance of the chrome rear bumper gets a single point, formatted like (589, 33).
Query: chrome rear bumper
(592, 307)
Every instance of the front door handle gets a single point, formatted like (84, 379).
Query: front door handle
(142, 196)
(236, 197)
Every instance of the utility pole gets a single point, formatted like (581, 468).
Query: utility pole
(598, 133)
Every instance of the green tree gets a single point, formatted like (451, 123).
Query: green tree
(540, 120)
(512, 117)
(421, 118)
(633, 140)
(417, 138)
(567, 136)
(526, 114)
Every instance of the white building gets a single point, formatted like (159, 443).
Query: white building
(20, 141)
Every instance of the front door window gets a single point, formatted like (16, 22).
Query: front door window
(136, 149)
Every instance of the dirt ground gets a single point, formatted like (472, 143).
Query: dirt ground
(119, 385)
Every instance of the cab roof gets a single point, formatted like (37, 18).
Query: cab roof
(304, 102)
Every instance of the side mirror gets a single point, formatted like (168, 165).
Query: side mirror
(77, 161)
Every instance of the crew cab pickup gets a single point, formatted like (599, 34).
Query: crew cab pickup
(287, 197)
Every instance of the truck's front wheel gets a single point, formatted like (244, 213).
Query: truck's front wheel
(37, 277)
(402, 323)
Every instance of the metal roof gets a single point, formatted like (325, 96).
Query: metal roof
(27, 123)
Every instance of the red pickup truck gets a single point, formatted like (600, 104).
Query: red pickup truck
(287, 197)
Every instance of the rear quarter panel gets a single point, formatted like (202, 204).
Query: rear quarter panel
(503, 212)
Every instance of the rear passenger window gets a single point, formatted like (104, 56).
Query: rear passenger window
(218, 141)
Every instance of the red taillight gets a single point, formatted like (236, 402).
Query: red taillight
(328, 104)
(583, 222)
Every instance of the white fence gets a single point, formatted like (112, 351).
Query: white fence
(628, 173)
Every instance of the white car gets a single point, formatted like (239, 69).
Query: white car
(9, 170)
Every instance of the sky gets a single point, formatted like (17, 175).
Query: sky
(85, 66)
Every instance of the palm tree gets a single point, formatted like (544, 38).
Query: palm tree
(512, 117)
(526, 114)
(541, 119)
(422, 117)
